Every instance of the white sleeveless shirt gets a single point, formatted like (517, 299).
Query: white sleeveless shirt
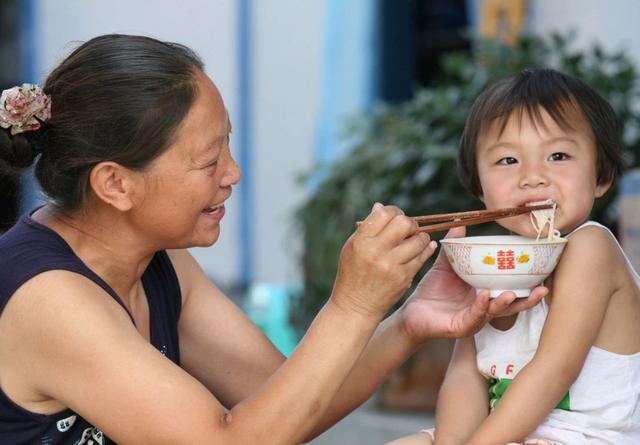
(602, 405)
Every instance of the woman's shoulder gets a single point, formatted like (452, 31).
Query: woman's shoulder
(40, 274)
(51, 308)
(61, 292)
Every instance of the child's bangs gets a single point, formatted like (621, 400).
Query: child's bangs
(528, 100)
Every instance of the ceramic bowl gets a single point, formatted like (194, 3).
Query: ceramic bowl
(503, 263)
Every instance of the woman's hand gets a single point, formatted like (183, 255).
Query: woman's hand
(445, 306)
(379, 261)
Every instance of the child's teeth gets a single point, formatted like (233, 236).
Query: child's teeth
(536, 203)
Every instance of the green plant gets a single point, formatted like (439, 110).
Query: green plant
(406, 154)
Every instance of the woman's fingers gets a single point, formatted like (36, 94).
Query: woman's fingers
(475, 316)
(391, 225)
(415, 262)
(380, 259)
(499, 306)
(507, 304)
(378, 219)
(413, 247)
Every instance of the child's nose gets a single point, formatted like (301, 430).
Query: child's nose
(533, 176)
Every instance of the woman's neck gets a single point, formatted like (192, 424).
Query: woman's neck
(105, 242)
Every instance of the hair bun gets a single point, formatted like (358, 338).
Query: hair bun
(16, 152)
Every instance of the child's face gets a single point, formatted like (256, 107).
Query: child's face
(529, 162)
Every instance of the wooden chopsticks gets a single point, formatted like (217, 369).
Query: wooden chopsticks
(448, 220)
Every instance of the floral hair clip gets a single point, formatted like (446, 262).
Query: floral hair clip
(24, 108)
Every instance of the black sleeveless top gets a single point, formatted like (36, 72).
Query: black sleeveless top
(30, 248)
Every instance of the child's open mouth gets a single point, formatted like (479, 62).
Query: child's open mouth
(536, 203)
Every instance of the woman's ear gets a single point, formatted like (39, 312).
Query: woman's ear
(114, 184)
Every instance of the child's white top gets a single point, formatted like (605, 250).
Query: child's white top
(603, 404)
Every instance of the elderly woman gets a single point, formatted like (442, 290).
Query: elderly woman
(111, 333)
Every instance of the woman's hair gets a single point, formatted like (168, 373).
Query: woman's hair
(115, 98)
(563, 97)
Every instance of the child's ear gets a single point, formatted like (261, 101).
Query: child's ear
(601, 189)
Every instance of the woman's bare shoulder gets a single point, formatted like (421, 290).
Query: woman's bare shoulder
(47, 317)
(64, 339)
(57, 294)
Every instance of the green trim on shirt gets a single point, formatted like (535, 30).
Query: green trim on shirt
(497, 388)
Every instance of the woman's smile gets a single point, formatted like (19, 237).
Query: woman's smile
(215, 212)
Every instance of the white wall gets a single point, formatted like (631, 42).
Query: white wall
(206, 26)
(612, 23)
(286, 56)
(287, 52)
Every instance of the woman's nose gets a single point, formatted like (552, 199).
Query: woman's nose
(232, 172)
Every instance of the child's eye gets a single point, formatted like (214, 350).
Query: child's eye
(507, 161)
(558, 157)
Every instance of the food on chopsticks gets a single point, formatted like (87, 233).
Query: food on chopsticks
(542, 218)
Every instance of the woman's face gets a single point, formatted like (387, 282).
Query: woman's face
(531, 162)
(187, 186)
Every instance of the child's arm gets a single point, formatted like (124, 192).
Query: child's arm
(463, 400)
(583, 283)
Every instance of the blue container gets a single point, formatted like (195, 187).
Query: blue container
(268, 307)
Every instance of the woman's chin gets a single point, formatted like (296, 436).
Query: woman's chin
(201, 239)
(207, 239)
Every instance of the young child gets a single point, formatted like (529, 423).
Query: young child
(566, 371)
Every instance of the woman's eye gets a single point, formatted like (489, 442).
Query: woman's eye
(211, 164)
(507, 161)
(558, 157)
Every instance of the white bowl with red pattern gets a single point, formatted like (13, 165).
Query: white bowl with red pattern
(503, 262)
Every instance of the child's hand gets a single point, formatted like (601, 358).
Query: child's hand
(445, 306)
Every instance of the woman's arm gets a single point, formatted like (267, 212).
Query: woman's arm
(583, 283)
(442, 306)
(463, 401)
(79, 349)
(219, 344)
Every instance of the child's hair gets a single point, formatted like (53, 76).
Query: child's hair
(116, 97)
(527, 93)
